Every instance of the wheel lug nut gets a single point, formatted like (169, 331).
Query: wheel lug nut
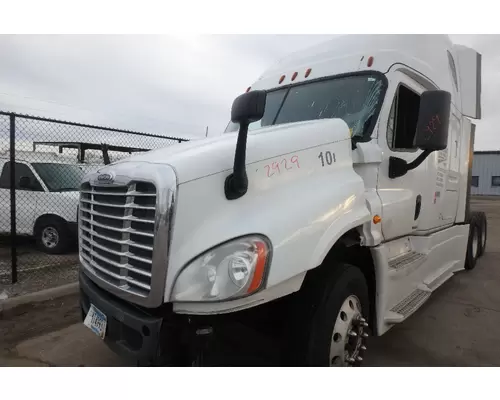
(364, 334)
(350, 360)
(362, 320)
(364, 324)
(359, 359)
(363, 348)
(352, 334)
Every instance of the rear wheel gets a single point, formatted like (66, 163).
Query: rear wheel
(331, 327)
(484, 232)
(474, 241)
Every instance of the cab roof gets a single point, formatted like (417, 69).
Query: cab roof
(447, 66)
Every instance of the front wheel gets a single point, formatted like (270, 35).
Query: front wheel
(334, 327)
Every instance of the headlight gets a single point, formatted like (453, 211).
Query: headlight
(231, 270)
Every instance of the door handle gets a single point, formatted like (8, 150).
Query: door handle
(418, 206)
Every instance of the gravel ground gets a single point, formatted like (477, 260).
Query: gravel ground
(36, 270)
(40, 279)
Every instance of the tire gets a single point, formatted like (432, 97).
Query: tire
(484, 232)
(473, 243)
(53, 236)
(319, 330)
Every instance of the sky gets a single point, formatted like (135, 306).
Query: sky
(174, 85)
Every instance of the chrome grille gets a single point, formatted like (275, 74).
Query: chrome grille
(117, 232)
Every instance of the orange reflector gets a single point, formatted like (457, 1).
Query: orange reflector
(282, 78)
(308, 72)
(248, 89)
(294, 76)
(370, 61)
(376, 219)
(258, 276)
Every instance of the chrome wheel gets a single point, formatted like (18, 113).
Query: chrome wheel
(50, 237)
(349, 336)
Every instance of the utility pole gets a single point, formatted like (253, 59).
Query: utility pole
(206, 132)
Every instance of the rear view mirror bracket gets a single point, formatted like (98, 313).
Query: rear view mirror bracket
(399, 167)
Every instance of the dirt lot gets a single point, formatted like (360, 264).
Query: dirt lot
(458, 326)
(36, 270)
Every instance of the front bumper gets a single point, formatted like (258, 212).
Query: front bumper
(159, 337)
(147, 337)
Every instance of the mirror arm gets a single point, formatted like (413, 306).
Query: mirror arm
(236, 184)
(399, 167)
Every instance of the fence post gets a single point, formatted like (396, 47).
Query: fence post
(13, 229)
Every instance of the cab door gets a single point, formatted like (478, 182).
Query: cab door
(401, 197)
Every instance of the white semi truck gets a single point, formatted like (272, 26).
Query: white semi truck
(334, 205)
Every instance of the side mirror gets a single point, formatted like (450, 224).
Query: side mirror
(247, 108)
(432, 130)
(25, 182)
(433, 120)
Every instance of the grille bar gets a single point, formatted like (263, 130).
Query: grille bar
(127, 218)
(114, 275)
(129, 205)
(115, 264)
(120, 253)
(132, 193)
(117, 241)
(123, 230)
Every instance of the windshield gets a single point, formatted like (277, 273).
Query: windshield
(355, 99)
(60, 177)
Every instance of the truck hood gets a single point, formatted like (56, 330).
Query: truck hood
(197, 159)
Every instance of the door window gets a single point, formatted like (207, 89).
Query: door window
(22, 170)
(403, 118)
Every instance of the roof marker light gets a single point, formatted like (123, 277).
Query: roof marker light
(294, 76)
(370, 61)
(308, 72)
(282, 78)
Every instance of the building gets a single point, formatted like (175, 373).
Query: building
(486, 173)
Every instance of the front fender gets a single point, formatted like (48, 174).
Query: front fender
(353, 213)
(302, 211)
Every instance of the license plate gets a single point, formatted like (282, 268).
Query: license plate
(96, 320)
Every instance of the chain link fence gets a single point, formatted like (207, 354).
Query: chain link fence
(42, 162)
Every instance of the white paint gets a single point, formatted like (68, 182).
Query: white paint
(325, 202)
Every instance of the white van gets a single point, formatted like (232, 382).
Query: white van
(46, 198)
